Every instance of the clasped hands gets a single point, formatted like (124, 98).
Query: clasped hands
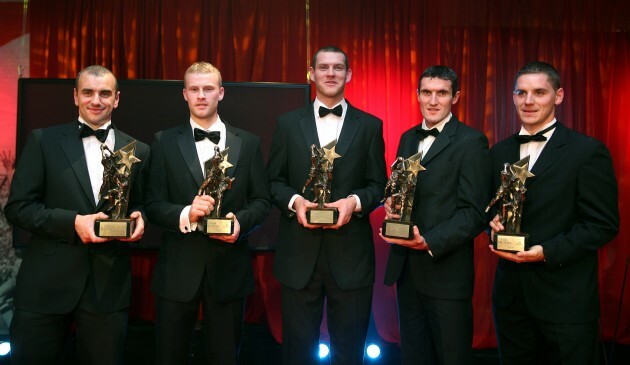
(201, 206)
(345, 207)
(534, 254)
(84, 226)
(415, 243)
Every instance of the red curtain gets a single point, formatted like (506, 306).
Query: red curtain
(389, 43)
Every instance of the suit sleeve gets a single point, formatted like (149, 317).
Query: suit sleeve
(597, 212)
(376, 174)
(136, 198)
(25, 207)
(258, 199)
(277, 171)
(160, 210)
(473, 189)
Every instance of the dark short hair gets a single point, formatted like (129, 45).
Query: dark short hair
(441, 72)
(539, 67)
(333, 49)
(95, 70)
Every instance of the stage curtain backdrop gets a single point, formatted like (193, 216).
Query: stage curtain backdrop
(389, 44)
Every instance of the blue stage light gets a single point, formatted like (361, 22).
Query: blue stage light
(5, 348)
(373, 351)
(323, 351)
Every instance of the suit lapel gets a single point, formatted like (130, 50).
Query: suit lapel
(233, 142)
(186, 144)
(348, 131)
(73, 148)
(442, 140)
(309, 130)
(551, 151)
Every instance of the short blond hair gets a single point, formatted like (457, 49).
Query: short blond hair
(203, 67)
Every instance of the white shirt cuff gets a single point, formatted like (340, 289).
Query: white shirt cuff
(292, 201)
(357, 209)
(184, 222)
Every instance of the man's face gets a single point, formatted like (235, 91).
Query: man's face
(96, 97)
(203, 93)
(330, 76)
(535, 100)
(436, 99)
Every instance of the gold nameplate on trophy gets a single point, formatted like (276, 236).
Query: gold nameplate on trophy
(114, 228)
(323, 216)
(397, 229)
(511, 242)
(218, 226)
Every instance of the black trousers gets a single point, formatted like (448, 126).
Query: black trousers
(432, 330)
(222, 325)
(524, 339)
(40, 339)
(348, 315)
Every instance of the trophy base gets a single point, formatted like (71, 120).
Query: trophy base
(218, 226)
(114, 228)
(511, 242)
(397, 229)
(322, 216)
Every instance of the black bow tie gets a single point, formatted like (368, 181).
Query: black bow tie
(214, 136)
(424, 133)
(100, 134)
(538, 137)
(323, 111)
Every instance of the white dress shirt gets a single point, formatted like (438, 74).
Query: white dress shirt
(534, 149)
(94, 157)
(425, 144)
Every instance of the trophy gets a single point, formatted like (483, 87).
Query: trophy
(115, 192)
(511, 194)
(215, 184)
(401, 187)
(320, 176)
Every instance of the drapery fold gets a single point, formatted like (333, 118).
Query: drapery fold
(389, 44)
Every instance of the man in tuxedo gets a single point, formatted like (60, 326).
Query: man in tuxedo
(68, 273)
(545, 299)
(195, 268)
(334, 262)
(433, 270)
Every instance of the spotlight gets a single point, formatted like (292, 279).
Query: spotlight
(373, 351)
(5, 348)
(323, 351)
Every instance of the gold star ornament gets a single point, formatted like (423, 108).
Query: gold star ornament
(126, 155)
(413, 164)
(520, 169)
(329, 152)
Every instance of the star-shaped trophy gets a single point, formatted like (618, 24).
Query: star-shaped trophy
(401, 188)
(115, 192)
(511, 195)
(320, 177)
(215, 184)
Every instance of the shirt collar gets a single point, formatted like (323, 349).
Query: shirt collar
(104, 126)
(440, 125)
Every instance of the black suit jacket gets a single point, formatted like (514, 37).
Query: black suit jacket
(570, 209)
(360, 170)
(448, 209)
(174, 178)
(50, 187)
